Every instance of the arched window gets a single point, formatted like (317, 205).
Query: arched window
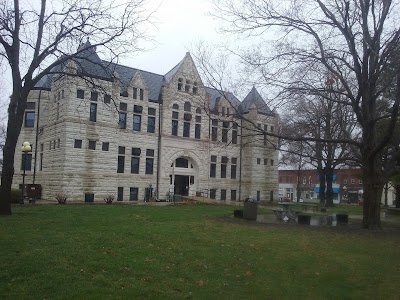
(187, 86)
(187, 106)
(195, 88)
(198, 110)
(181, 163)
(175, 106)
(180, 83)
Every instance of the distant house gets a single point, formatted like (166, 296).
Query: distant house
(133, 134)
(347, 186)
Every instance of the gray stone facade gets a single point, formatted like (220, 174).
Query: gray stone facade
(119, 132)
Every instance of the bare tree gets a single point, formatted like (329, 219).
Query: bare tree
(353, 40)
(38, 40)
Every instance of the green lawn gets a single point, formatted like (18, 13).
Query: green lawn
(177, 252)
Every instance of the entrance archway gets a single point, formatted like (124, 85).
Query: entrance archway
(184, 176)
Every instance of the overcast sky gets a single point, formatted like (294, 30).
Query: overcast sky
(178, 24)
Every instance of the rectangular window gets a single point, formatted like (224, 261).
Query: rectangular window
(41, 162)
(29, 119)
(214, 133)
(123, 106)
(149, 165)
(174, 129)
(105, 146)
(141, 94)
(121, 164)
(135, 161)
(213, 193)
(92, 145)
(107, 99)
(272, 128)
(135, 93)
(234, 136)
(258, 195)
(80, 94)
(233, 194)
(121, 150)
(151, 124)
(224, 135)
(223, 194)
(137, 120)
(133, 194)
(122, 120)
(197, 131)
(186, 129)
(272, 162)
(213, 170)
(151, 111)
(223, 170)
(233, 171)
(138, 109)
(136, 151)
(150, 152)
(93, 112)
(94, 96)
(30, 105)
(27, 159)
(78, 144)
(258, 161)
(120, 195)
(265, 161)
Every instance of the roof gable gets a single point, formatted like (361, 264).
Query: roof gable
(252, 99)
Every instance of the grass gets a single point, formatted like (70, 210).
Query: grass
(176, 252)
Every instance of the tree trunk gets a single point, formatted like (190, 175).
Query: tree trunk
(373, 187)
(16, 110)
(321, 185)
(329, 185)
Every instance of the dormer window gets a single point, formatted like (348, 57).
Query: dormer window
(180, 83)
(195, 88)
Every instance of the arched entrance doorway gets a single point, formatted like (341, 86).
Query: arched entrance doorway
(184, 176)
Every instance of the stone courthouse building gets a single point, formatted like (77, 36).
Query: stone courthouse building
(99, 128)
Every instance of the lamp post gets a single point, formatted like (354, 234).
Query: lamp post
(26, 147)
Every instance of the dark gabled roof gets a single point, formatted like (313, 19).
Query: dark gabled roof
(255, 98)
(215, 96)
(90, 64)
(173, 71)
(153, 81)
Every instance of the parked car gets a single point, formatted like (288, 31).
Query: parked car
(295, 200)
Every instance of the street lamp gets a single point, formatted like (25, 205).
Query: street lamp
(26, 147)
